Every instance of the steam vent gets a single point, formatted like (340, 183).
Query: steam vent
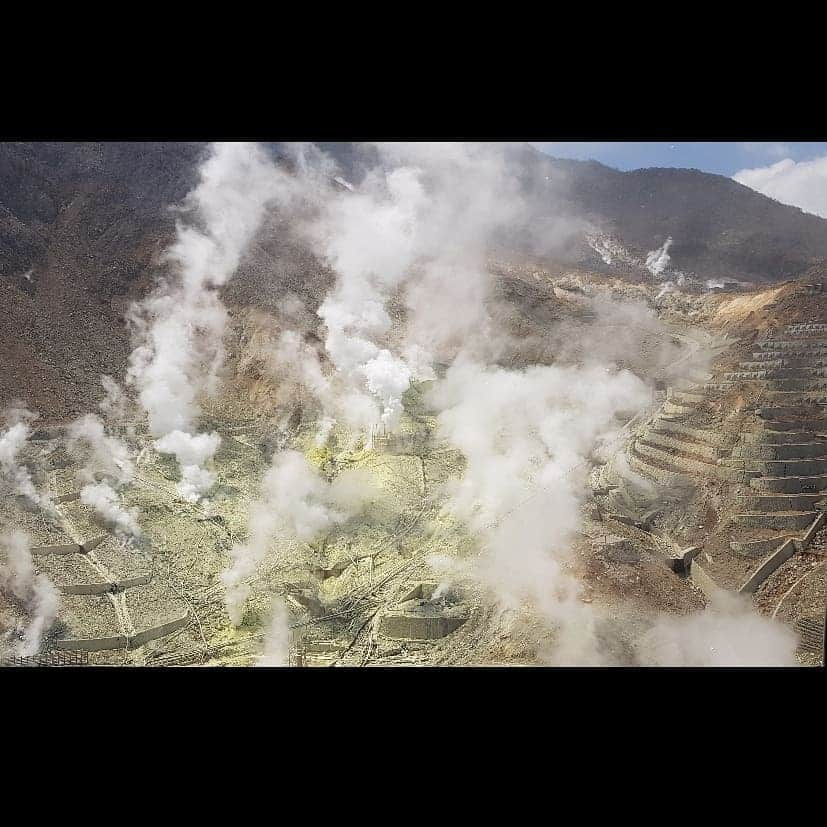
(409, 404)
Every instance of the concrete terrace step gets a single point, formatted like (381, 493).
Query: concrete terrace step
(776, 520)
(767, 437)
(780, 467)
(700, 435)
(787, 362)
(684, 444)
(790, 485)
(816, 426)
(792, 344)
(803, 373)
(805, 353)
(678, 462)
(778, 426)
(678, 408)
(657, 471)
(808, 413)
(790, 450)
(779, 502)
(809, 385)
(793, 398)
(805, 328)
(757, 546)
(120, 641)
(686, 397)
(790, 467)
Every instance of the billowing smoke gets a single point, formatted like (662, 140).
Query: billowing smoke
(13, 474)
(295, 504)
(179, 328)
(33, 593)
(525, 435)
(107, 466)
(728, 633)
(658, 260)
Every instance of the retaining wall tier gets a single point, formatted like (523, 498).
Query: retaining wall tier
(792, 344)
(670, 458)
(778, 520)
(785, 362)
(780, 502)
(122, 641)
(768, 566)
(811, 532)
(406, 626)
(62, 549)
(687, 465)
(757, 546)
(155, 632)
(774, 355)
(805, 328)
(790, 485)
(702, 580)
(803, 373)
(800, 412)
(789, 467)
(817, 426)
(784, 451)
(766, 437)
(660, 475)
(700, 435)
(681, 442)
(678, 409)
(685, 397)
(97, 644)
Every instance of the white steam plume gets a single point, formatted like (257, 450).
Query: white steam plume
(101, 453)
(418, 227)
(658, 260)
(35, 592)
(114, 404)
(524, 435)
(179, 329)
(191, 453)
(728, 633)
(277, 639)
(12, 472)
(107, 467)
(106, 502)
(295, 504)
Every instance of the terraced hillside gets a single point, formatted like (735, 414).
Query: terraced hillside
(113, 601)
(734, 467)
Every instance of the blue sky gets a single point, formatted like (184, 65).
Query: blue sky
(721, 157)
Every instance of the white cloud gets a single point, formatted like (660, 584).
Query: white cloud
(801, 184)
(770, 149)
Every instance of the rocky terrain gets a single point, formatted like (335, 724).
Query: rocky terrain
(82, 226)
